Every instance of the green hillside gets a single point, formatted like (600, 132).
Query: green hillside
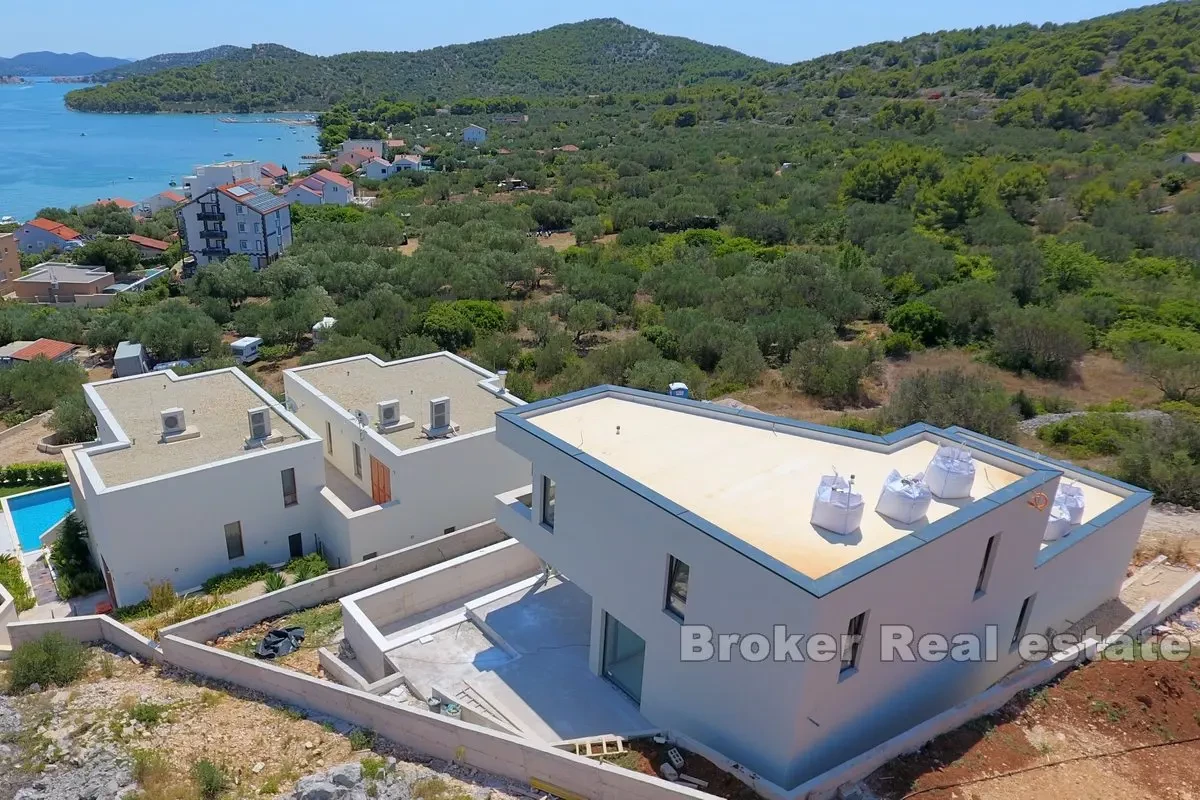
(590, 57)
(164, 61)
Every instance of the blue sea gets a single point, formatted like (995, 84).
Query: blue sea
(44, 161)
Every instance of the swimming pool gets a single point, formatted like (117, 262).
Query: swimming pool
(33, 513)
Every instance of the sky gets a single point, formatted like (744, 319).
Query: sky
(778, 30)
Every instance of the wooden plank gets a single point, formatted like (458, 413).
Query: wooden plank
(557, 791)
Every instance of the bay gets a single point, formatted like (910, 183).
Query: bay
(44, 161)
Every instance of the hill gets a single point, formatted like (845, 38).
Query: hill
(592, 57)
(45, 63)
(171, 60)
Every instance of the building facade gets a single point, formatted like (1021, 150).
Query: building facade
(240, 218)
(684, 520)
(323, 187)
(474, 134)
(52, 282)
(210, 176)
(10, 262)
(392, 479)
(39, 235)
(192, 477)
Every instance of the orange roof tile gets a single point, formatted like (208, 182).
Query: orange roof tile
(146, 241)
(54, 228)
(50, 348)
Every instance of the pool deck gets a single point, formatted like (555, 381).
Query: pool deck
(8, 536)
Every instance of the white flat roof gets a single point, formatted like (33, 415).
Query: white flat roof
(758, 483)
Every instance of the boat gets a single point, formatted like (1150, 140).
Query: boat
(227, 155)
(129, 178)
(7, 220)
(83, 134)
(260, 138)
(172, 183)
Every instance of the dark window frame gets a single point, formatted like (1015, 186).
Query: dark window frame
(549, 499)
(229, 541)
(678, 574)
(291, 498)
(985, 569)
(852, 645)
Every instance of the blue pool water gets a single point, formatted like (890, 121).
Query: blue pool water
(37, 512)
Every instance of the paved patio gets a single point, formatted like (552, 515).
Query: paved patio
(547, 689)
(346, 490)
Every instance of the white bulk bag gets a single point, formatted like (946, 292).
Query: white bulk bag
(951, 472)
(904, 498)
(1065, 513)
(837, 508)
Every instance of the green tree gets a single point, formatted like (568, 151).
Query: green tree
(589, 316)
(72, 420)
(922, 321)
(33, 386)
(449, 327)
(951, 397)
(830, 371)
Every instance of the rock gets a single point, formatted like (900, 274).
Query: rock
(308, 745)
(257, 768)
(315, 789)
(346, 775)
(34, 688)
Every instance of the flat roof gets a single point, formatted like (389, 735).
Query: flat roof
(750, 479)
(214, 404)
(64, 273)
(361, 383)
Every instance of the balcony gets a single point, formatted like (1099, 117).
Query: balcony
(514, 510)
(215, 252)
(213, 233)
(210, 216)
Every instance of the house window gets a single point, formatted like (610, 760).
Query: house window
(258, 227)
(289, 487)
(245, 244)
(677, 587)
(241, 210)
(241, 227)
(548, 502)
(328, 438)
(852, 643)
(451, 529)
(357, 460)
(369, 556)
(1022, 621)
(233, 540)
(985, 569)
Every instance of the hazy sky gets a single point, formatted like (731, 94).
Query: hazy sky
(779, 30)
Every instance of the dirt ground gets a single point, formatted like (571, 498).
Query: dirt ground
(271, 373)
(1108, 729)
(322, 627)
(645, 756)
(21, 447)
(561, 241)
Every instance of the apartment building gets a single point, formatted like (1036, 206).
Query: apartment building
(237, 218)
(10, 262)
(410, 448)
(192, 476)
(672, 514)
(210, 176)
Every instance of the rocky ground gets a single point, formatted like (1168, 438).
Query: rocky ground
(128, 730)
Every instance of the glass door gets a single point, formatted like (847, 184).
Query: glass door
(624, 656)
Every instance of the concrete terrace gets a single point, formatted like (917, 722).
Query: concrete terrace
(759, 482)
(214, 404)
(362, 383)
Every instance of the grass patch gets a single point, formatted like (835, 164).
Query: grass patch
(372, 767)
(152, 770)
(238, 578)
(148, 713)
(50, 660)
(209, 698)
(305, 567)
(12, 576)
(436, 789)
(185, 609)
(210, 779)
(361, 739)
(1113, 712)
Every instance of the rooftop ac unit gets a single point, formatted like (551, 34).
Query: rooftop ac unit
(387, 412)
(173, 422)
(440, 423)
(260, 423)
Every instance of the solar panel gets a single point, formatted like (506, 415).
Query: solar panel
(239, 191)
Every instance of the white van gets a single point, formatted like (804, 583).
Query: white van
(245, 350)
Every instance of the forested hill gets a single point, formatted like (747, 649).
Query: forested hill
(597, 56)
(1087, 73)
(44, 63)
(171, 60)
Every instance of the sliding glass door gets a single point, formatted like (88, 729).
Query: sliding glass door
(624, 655)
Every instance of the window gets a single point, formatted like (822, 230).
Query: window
(233, 540)
(245, 245)
(328, 438)
(985, 569)
(548, 502)
(241, 210)
(449, 530)
(677, 587)
(357, 460)
(852, 643)
(258, 227)
(369, 556)
(1022, 621)
(289, 487)
(295, 545)
(241, 227)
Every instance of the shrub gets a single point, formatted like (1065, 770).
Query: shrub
(161, 596)
(521, 384)
(361, 739)
(274, 582)
(12, 577)
(309, 566)
(238, 578)
(1040, 341)
(210, 779)
(148, 713)
(1024, 405)
(372, 767)
(951, 397)
(51, 660)
(830, 371)
(899, 344)
(925, 323)
(40, 473)
(1092, 434)
(72, 559)
(72, 420)
(449, 327)
(860, 424)
(1165, 460)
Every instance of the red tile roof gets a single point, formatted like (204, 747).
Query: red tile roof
(55, 228)
(272, 170)
(50, 348)
(330, 175)
(146, 241)
(174, 197)
(569, 148)
(119, 202)
(395, 143)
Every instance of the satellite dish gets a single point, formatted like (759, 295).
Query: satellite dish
(289, 404)
(363, 419)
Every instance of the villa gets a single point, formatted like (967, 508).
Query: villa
(237, 218)
(323, 187)
(39, 235)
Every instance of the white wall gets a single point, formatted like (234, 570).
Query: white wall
(173, 528)
(790, 721)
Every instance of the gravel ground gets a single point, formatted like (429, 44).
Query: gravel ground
(1031, 426)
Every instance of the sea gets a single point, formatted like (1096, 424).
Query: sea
(52, 156)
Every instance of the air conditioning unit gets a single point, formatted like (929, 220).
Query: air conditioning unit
(387, 412)
(440, 423)
(173, 422)
(260, 423)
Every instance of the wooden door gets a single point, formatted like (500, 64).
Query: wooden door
(381, 482)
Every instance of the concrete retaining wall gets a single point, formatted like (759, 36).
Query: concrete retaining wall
(338, 583)
(439, 736)
(91, 629)
(8, 613)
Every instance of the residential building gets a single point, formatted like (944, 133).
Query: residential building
(241, 218)
(210, 176)
(119, 202)
(149, 248)
(276, 174)
(160, 202)
(192, 476)
(22, 352)
(10, 262)
(375, 147)
(1184, 158)
(378, 169)
(323, 187)
(410, 448)
(406, 161)
(474, 134)
(52, 282)
(394, 145)
(684, 520)
(42, 234)
(354, 159)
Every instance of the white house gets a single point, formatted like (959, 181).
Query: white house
(192, 477)
(39, 235)
(378, 169)
(474, 134)
(323, 187)
(410, 448)
(406, 161)
(375, 147)
(685, 522)
(210, 176)
(163, 200)
(241, 218)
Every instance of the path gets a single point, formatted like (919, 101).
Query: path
(18, 445)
